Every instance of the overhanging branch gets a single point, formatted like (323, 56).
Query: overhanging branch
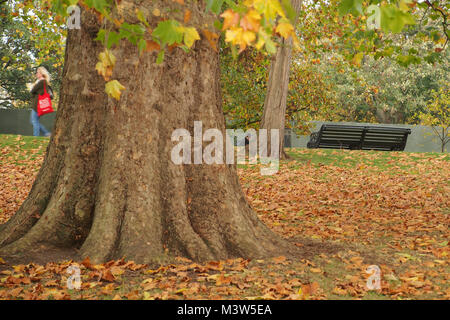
(444, 22)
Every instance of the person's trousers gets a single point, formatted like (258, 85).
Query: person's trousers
(37, 126)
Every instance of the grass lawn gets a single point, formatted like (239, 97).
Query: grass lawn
(348, 210)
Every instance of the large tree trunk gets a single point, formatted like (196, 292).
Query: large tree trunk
(274, 114)
(108, 186)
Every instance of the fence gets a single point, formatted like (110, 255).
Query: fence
(421, 139)
(17, 121)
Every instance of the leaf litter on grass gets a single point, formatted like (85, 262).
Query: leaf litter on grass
(348, 210)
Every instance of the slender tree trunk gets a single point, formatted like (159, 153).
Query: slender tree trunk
(443, 140)
(108, 186)
(274, 114)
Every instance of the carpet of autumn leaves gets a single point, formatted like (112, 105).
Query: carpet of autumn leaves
(347, 210)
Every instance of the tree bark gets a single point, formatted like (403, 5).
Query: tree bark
(108, 186)
(274, 114)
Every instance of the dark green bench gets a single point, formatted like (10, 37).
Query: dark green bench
(333, 136)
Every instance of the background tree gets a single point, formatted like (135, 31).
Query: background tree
(29, 37)
(243, 83)
(310, 95)
(437, 115)
(274, 114)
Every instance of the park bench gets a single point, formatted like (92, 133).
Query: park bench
(334, 136)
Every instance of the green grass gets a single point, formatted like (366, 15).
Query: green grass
(369, 160)
(22, 147)
(24, 142)
(376, 159)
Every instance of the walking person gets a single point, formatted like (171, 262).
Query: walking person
(42, 82)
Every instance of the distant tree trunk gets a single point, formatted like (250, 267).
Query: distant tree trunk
(108, 186)
(274, 114)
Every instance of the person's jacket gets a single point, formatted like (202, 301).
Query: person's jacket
(38, 90)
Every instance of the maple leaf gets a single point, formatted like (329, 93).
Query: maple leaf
(190, 36)
(285, 29)
(237, 36)
(168, 32)
(251, 21)
(106, 63)
(231, 19)
(114, 89)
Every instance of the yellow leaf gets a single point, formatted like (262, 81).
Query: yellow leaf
(270, 9)
(106, 63)
(237, 36)
(285, 29)
(248, 37)
(190, 35)
(233, 35)
(114, 89)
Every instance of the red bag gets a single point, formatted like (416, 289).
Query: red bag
(44, 104)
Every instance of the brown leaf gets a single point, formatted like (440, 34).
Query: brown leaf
(152, 46)
(107, 276)
(212, 38)
(87, 264)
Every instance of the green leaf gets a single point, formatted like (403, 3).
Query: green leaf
(99, 5)
(214, 6)
(351, 6)
(168, 32)
(101, 35)
(113, 39)
(393, 19)
(132, 32)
